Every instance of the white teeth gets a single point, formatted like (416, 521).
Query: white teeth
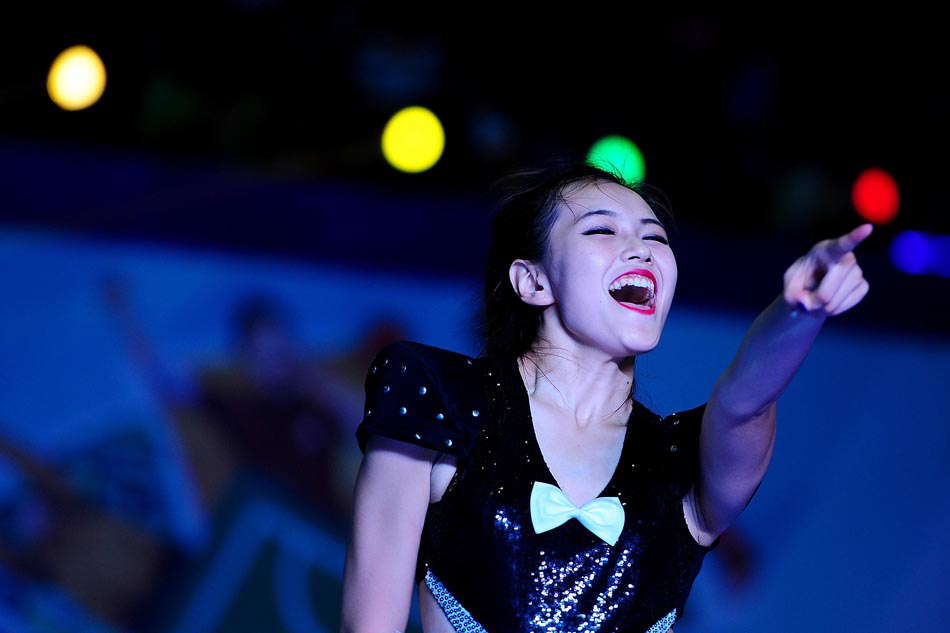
(633, 280)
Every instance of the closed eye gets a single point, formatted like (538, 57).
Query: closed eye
(601, 230)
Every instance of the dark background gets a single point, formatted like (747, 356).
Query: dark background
(756, 124)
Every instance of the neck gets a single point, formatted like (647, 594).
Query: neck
(581, 382)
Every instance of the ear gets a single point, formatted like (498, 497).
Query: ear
(530, 283)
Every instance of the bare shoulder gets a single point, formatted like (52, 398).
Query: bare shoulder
(386, 457)
(390, 454)
(394, 473)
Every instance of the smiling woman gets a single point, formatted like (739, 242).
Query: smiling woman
(475, 468)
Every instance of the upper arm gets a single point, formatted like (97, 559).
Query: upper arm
(390, 504)
(734, 453)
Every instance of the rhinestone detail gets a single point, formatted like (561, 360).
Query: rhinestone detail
(457, 615)
(663, 624)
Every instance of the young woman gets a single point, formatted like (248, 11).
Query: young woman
(527, 490)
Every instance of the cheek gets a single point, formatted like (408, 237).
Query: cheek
(582, 304)
(670, 272)
(579, 279)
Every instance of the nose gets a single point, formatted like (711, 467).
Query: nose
(639, 249)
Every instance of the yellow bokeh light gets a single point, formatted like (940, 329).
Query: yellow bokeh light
(413, 139)
(76, 79)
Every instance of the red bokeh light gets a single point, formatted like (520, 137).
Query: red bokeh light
(875, 196)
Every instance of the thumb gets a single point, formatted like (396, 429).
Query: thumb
(795, 293)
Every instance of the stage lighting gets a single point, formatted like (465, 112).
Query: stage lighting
(413, 140)
(76, 79)
(875, 196)
(619, 155)
(920, 253)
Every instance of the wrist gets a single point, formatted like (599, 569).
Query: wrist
(798, 310)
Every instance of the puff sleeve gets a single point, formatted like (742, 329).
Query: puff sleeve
(680, 443)
(404, 402)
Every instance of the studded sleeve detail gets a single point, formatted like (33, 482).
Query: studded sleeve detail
(404, 402)
(680, 432)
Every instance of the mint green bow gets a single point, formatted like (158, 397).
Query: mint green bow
(550, 507)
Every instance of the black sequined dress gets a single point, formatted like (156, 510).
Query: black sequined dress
(479, 553)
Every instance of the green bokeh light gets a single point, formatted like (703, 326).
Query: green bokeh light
(619, 155)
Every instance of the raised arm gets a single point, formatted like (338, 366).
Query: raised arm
(391, 499)
(738, 429)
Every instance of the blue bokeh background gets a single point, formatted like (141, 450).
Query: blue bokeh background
(846, 532)
(235, 154)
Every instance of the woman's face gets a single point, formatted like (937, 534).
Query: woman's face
(601, 236)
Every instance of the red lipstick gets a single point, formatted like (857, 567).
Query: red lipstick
(656, 287)
(639, 271)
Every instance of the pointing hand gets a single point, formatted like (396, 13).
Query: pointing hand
(827, 279)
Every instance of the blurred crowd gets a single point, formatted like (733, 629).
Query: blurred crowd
(87, 525)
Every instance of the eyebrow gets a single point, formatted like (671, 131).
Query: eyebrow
(614, 214)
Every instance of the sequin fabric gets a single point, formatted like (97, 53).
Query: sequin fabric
(460, 619)
(478, 540)
(664, 624)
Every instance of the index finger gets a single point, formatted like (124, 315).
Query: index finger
(836, 249)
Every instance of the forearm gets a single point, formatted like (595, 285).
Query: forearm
(771, 352)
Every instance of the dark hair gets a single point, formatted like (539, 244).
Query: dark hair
(520, 229)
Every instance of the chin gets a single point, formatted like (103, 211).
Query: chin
(628, 348)
(640, 346)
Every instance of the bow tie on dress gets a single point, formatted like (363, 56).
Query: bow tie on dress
(550, 507)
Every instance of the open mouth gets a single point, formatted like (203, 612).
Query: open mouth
(634, 289)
